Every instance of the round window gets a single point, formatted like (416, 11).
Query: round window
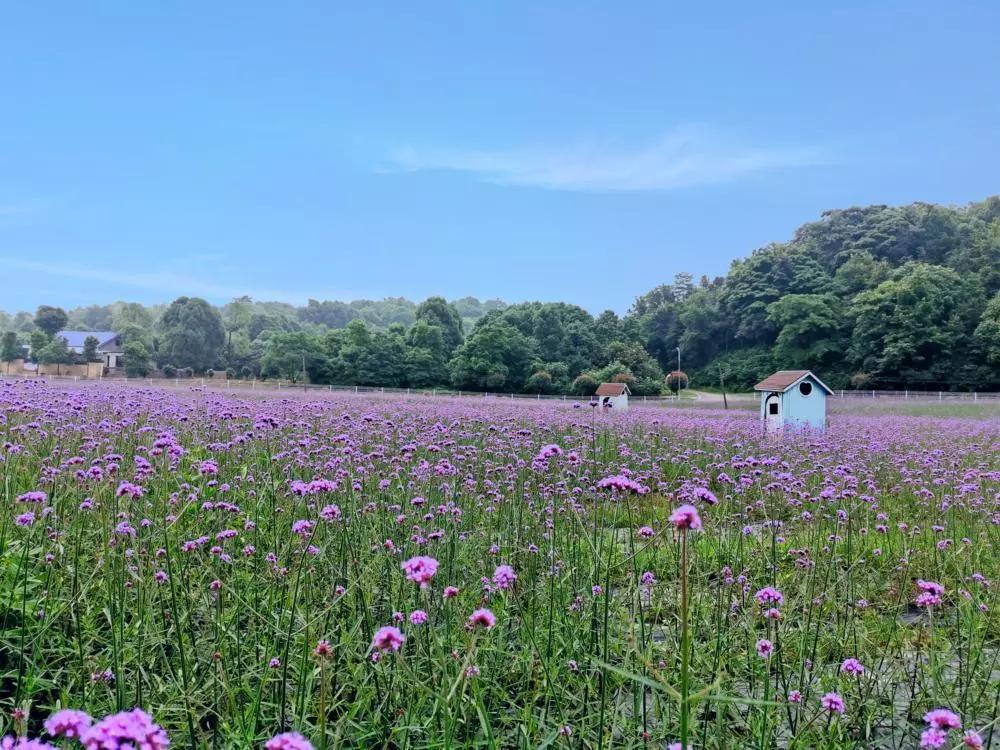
(805, 388)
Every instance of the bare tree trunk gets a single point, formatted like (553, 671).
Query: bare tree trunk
(722, 384)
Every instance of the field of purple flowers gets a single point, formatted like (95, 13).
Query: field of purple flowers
(217, 570)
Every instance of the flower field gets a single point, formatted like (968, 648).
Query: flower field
(221, 570)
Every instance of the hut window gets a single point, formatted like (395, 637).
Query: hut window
(772, 407)
(805, 388)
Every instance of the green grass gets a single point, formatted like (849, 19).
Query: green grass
(844, 525)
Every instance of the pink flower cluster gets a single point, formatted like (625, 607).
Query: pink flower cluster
(420, 569)
(128, 730)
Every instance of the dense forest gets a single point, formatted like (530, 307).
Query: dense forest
(875, 297)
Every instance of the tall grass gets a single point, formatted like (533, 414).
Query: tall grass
(188, 553)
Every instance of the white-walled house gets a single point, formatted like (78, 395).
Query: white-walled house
(109, 344)
(613, 396)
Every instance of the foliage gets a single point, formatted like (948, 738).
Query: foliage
(496, 356)
(55, 352)
(136, 359)
(10, 349)
(987, 333)
(227, 563)
(50, 319)
(437, 312)
(888, 296)
(90, 344)
(191, 334)
(291, 355)
(39, 339)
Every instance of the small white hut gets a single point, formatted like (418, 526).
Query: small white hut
(613, 396)
(792, 398)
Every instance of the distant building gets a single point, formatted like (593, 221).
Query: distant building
(613, 396)
(109, 344)
(792, 398)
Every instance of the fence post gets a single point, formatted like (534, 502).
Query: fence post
(975, 396)
(940, 397)
(873, 395)
(906, 393)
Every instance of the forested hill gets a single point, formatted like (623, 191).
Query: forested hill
(882, 296)
(875, 297)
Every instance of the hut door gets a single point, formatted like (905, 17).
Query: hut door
(772, 413)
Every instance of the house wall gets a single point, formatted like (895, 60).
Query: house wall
(87, 370)
(805, 411)
(617, 403)
(14, 367)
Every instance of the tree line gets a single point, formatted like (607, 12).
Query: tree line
(873, 297)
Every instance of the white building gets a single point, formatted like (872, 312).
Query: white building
(613, 396)
(109, 344)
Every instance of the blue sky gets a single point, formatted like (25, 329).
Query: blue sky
(577, 151)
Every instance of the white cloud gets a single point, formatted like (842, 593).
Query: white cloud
(168, 282)
(682, 158)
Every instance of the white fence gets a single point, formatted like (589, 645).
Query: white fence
(918, 395)
(695, 397)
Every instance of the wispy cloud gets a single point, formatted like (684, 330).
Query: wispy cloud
(168, 282)
(681, 158)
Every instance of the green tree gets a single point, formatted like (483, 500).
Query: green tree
(38, 341)
(331, 314)
(191, 334)
(55, 352)
(810, 329)
(50, 319)
(136, 359)
(496, 356)
(987, 333)
(90, 345)
(539, 382)
(10, 349)
(292, 355)
(916, 327)
(426, 362)
(584, 385)
(236, 317)
(437, 312)
(132, 322)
